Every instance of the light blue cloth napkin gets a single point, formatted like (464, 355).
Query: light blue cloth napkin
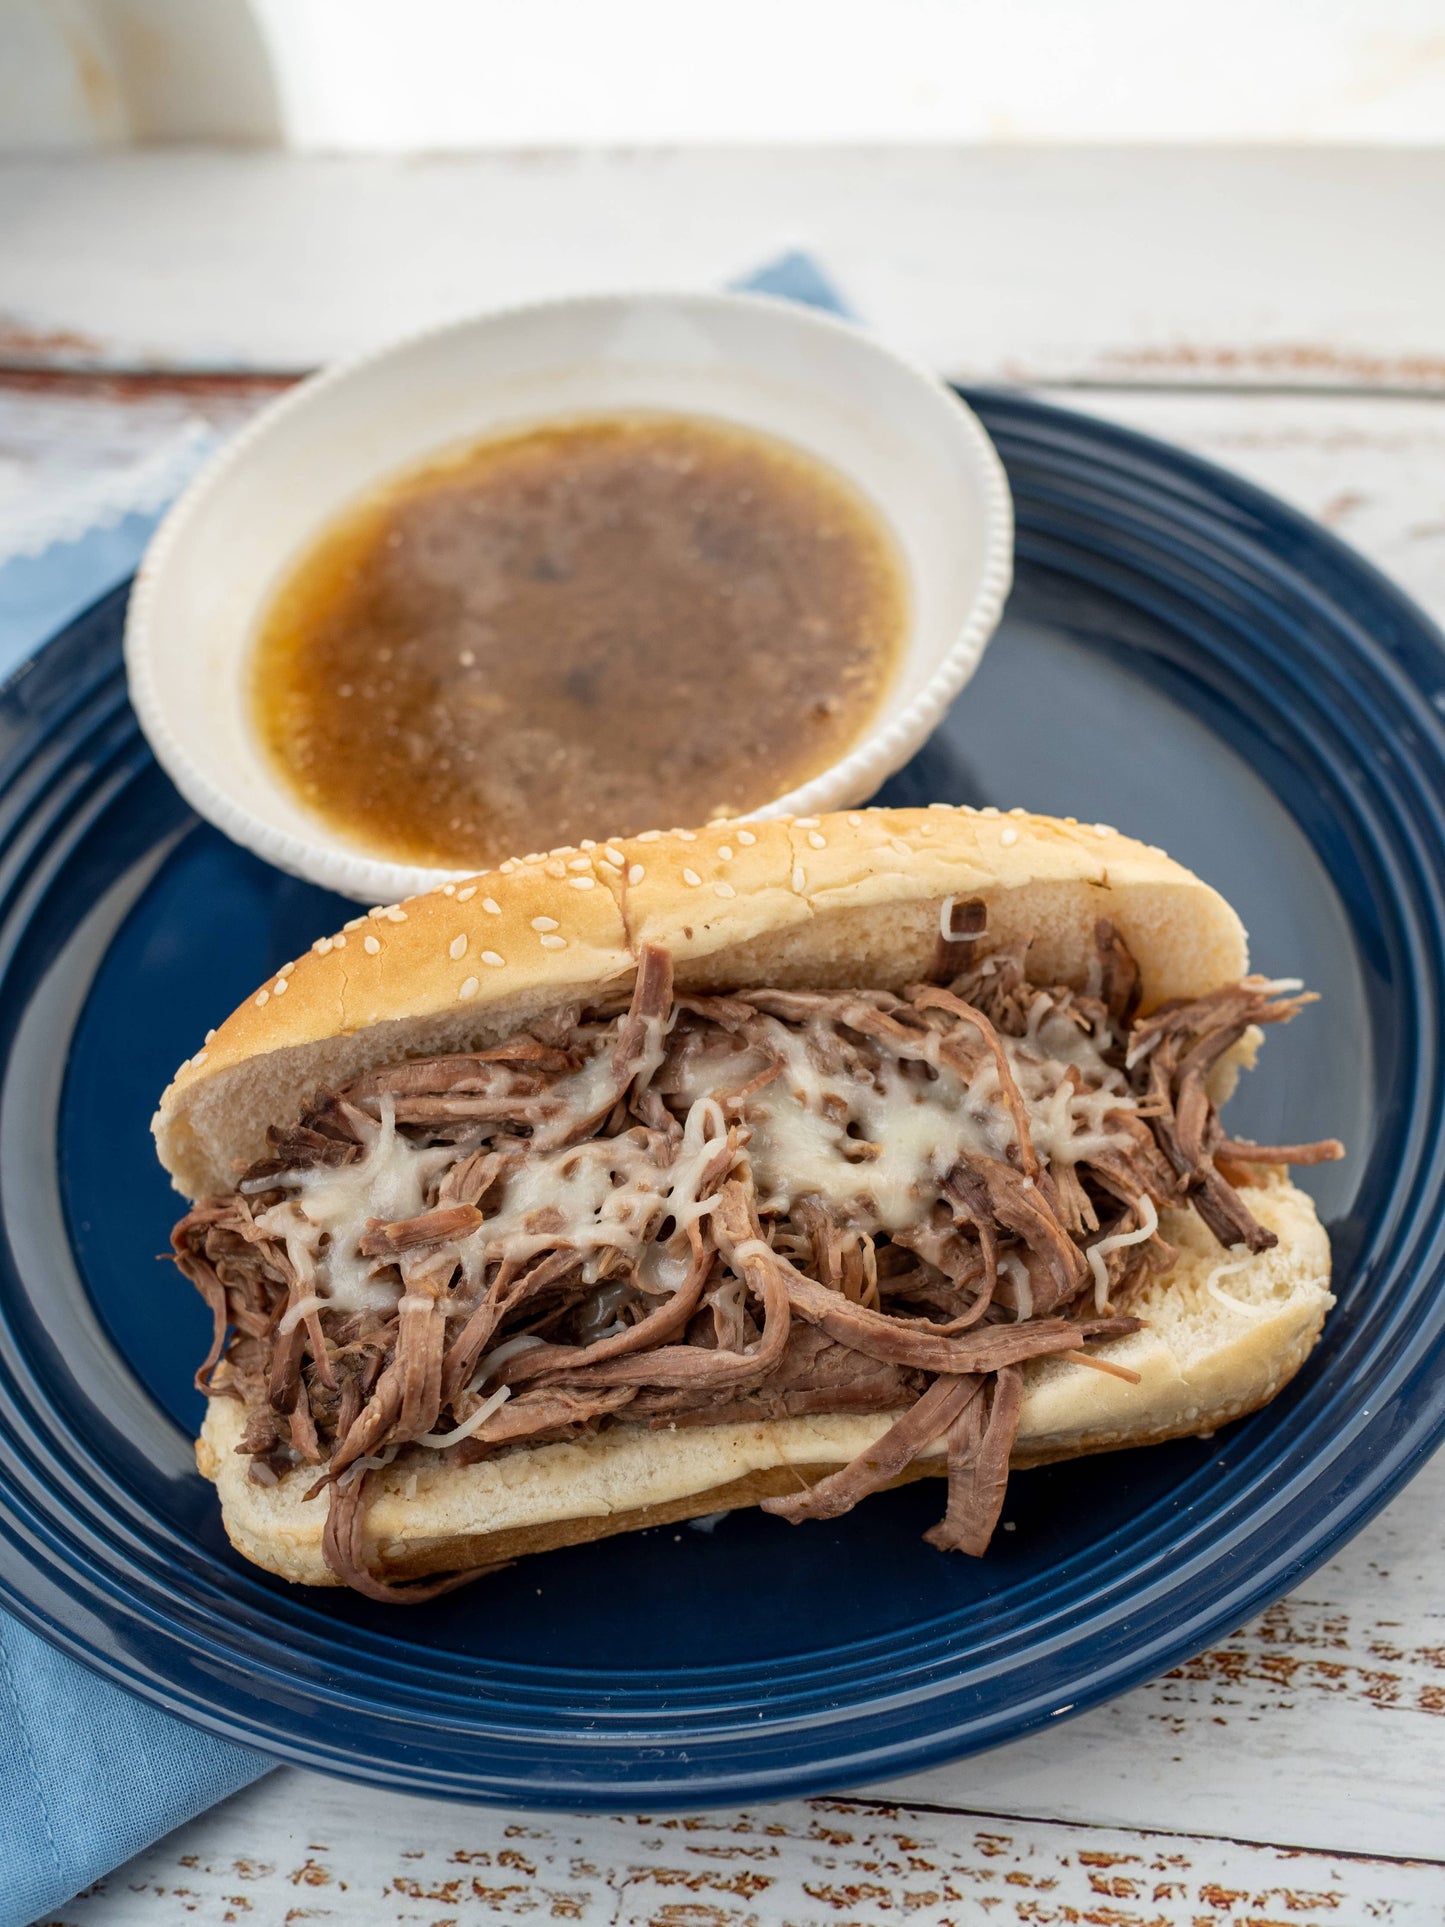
(90, 1775)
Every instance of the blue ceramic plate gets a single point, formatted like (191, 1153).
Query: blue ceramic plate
(1182, 657)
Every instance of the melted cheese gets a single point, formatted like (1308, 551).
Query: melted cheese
(880, 1149)
(874, 1147)
(1100, 1250)
(390, 1182)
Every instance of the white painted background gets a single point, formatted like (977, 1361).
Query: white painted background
(429, 75)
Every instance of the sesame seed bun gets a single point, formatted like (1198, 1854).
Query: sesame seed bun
(848, 899)
(1205, 1357)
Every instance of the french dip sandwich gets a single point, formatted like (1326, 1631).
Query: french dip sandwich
(769, 1163)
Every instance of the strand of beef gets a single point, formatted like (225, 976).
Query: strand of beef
(773, 1315)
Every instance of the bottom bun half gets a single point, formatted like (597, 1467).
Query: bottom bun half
(1223, 1334)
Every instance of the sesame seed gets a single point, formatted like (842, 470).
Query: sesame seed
(263, 997)
(855, 819)
(1105, 829)
(636, 873)
(583, 883)
(817, 839)
(1018, 810)
(535, 856)
(377, 910)
(940, 806)
(686, 836)
(580, 863)
(449, 889)
(692, 877)
(550, 942)
(322, 946)
(199, 1058)
(613, 856)
(649, 836)
(723, 890)
(1008, 835)
(491, 957)
(371, 946)
(457, 948)
(278, 989)
(468, 989)
(465, 896)
(544, 923)
(799, 880)
(355, 923)
(491, 906)
(209, 1035)
(555, 867)
(725, 852)
(506, 869)
(989, 809)
(338, 943)
(806, 822)
(747, 837)
(925, 829)
(587, 843)
(396, 914)
(562, 849)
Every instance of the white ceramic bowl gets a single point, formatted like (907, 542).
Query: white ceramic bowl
(904, 439)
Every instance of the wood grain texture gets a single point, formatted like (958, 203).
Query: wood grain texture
(1301, 268)
(815, 1863)
(1321, 1722)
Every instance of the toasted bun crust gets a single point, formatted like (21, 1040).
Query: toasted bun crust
(838, 900)
(1206, 1356)
(821, 901)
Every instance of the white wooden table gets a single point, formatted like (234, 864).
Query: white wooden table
(1284, 315)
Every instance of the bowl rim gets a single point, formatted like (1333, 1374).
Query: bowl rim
(326, 859)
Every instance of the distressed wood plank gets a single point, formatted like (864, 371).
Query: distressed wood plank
(1320, 1723)
(290, 1850)
(1010, 263)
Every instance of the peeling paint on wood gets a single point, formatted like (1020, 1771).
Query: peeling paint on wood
(19, 343)
(1274, 364)
(816, 1863)
(1300, 1646)
(143, 388)
(1317, 1724)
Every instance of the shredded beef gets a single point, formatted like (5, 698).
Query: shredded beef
(731, 1306)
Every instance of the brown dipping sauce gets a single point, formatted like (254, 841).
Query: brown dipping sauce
(589, 629)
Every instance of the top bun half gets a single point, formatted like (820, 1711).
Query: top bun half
(848, 899)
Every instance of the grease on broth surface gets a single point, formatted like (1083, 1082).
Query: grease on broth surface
(593, 628)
